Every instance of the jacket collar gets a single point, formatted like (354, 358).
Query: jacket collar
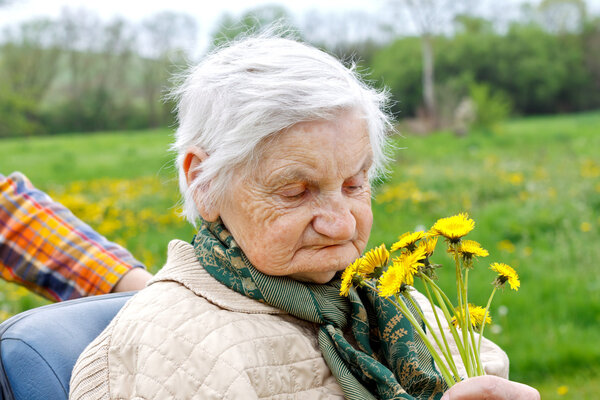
(183, 267)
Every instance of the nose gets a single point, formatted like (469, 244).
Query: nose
(334, 219)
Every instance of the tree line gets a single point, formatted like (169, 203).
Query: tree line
(77, 73)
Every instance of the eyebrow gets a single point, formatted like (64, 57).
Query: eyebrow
(291, 175)
(300, 174)
(367, 163)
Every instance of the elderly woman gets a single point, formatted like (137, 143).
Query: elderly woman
(276, 146)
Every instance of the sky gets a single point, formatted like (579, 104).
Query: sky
(207, 12)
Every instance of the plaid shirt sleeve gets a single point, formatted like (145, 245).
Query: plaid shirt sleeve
(47, 249)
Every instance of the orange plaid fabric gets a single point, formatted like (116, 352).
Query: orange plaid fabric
(44, 247)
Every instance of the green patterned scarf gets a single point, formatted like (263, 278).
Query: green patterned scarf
(391, 361)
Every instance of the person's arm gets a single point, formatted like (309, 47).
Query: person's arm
(134, 279)
(47, 249)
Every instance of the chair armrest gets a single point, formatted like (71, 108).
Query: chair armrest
(39, 347)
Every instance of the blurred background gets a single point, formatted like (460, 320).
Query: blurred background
(497, 105)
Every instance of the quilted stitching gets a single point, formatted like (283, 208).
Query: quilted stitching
(265, 352)
(187, 336)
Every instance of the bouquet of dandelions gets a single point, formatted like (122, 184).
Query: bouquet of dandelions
(395, 282)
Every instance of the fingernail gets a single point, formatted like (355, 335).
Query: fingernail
(445, 397)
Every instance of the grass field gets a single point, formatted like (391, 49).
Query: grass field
(533, 189)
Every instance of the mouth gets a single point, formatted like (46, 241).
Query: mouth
(328, 245)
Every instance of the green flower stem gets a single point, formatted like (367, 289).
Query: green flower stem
(438, 289)
(468, 333)
(487, 309)
(447, 354)
(474, 353)
(458, 281)
(441, 296)
(462, 306)
(441, 328)
(400, 306)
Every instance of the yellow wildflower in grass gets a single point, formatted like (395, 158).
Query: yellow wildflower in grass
(562, 390)
(4, 315)
(428, 245)
(476, 314)
(514, 178)
(585, 227)
(505, 274)
(506, 245)
(109, 226)
(469, 249)
(347, 276)
(453, 228)
(374, 258)
(590, 169)
(391, 280)
(407, 240)
(406, 191)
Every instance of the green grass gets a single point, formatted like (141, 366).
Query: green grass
(61, 159)
(533, 189)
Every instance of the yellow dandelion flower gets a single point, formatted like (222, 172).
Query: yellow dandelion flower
(391, 281)
(469, 249)
(453, 228)
(415, 257)
(476, 314)
(407, 240)
(409, 263)
(505, 274)
(374, 258)
(429, 245)
(347, 276)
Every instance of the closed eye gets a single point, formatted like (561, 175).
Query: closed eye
(293, 192)
(295, 196)
(355, 184)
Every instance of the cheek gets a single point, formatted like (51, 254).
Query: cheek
(364, 222)
(275, 242)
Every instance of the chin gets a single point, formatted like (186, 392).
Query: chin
(314, 277)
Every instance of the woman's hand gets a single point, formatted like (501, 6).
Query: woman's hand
(490, 387)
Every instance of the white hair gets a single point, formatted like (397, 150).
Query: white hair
(242, 94)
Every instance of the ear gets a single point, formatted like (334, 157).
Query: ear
(194, 157)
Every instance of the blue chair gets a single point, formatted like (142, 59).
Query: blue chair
(39, 347)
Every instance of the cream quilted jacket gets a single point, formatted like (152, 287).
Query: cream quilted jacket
(186, 336)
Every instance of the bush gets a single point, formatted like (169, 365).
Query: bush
(491, 108)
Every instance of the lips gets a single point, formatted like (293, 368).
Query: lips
(326, 245)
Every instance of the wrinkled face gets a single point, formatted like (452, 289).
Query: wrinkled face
(305, 212)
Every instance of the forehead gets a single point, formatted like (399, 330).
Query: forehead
(317, 149)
